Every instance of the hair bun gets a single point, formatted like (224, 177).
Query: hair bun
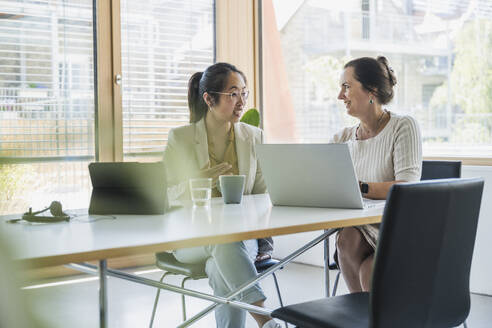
(391, 73)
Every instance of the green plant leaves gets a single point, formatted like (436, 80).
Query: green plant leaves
(251, 117)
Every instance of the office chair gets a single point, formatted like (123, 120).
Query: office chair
(431, 170)
(440, 170)
(433, 223)
(167, 262)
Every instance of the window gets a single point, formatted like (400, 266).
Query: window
(163, 44)
(46, 103)
(47, 112)
(438, 49)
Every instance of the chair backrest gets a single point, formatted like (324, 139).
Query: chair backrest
(423, 259)
(440, 170)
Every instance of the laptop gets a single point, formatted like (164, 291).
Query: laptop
(312, 175)
(128, 188)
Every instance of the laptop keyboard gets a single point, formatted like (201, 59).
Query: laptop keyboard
(373, 203)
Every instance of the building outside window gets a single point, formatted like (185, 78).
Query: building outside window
(439, 50)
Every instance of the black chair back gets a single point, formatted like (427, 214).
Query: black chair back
(423, 259)
(440, 170)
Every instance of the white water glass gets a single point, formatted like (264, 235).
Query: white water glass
(201, 191)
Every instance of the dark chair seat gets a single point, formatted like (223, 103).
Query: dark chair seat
(333, 266)
(167, 262)
(351, 310)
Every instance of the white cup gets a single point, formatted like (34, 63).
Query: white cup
(201, 191)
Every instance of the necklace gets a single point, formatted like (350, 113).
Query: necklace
(360, 130)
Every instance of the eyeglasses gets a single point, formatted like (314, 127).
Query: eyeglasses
(234, 95)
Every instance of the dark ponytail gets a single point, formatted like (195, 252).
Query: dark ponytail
(198, 107)
(214, 78)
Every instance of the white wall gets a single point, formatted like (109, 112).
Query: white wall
(481, 274)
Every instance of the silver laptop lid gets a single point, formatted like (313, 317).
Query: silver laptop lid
(316, 175)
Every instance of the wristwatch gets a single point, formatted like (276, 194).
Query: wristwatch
(364, 187)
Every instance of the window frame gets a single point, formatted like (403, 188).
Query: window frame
(236, 38)
(108, 103)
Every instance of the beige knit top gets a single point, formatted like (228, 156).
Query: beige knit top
(393, 154)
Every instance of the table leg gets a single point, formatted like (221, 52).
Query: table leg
(327, 265)
(103, 297)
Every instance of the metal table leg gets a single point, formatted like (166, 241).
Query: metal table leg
(327, 265)
(103, 297)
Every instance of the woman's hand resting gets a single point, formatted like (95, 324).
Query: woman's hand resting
(215, 171)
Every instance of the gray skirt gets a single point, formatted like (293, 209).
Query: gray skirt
(370, 233)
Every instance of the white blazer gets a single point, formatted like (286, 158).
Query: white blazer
(187, 153)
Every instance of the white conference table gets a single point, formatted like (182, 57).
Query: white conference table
(87, 238)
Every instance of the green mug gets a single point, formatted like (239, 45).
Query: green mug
(232, 188)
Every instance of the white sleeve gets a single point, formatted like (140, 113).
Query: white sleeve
(259, 187)
(176, 189)
(407, 154)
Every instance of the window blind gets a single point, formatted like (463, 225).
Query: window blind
(163, 43)
(46, 80)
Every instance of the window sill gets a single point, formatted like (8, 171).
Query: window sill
(465, 160)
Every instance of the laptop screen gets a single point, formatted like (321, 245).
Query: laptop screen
(317, 175)
(128, 188)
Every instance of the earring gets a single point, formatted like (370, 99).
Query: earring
(371, 101)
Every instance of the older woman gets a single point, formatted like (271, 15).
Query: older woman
(386, 149)
(216, 143)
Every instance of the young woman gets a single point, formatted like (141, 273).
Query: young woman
(216, 143)
(386, 149)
